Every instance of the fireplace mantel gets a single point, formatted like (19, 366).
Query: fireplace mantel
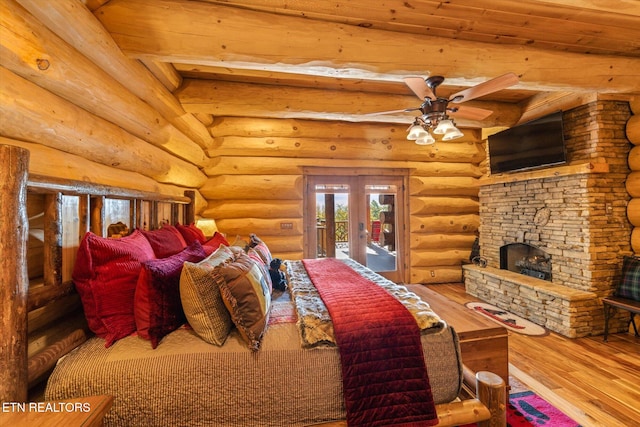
(556, 171)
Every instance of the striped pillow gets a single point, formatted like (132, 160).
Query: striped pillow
(201, 300)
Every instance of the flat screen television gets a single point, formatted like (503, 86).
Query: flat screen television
(530, 145)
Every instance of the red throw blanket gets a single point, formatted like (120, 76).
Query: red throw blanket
(384, 376)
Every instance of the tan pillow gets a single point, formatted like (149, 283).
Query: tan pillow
(247, 295)
(201, 300)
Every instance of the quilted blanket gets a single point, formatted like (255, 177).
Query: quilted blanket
(314, 320)
(385, 380)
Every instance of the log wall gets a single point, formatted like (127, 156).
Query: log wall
(256, 183)
(633, 179)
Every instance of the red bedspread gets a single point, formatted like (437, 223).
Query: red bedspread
(384, 376)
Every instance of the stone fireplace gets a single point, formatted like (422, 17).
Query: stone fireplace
(564, 227)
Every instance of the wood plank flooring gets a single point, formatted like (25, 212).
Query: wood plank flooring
(595, 383)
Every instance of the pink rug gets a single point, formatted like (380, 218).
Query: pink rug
(527, 409)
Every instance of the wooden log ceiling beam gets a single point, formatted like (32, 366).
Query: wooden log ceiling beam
(210, 34)
(73, 22)
(557, 25)
(221, 98)
(32, 51)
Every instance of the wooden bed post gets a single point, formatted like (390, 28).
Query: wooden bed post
(14, 280)
(53, 240)
(491, 390)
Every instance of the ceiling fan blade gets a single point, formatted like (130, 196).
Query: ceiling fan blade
(380, 113)
(471, 113)
(419, 86)
(485, 88)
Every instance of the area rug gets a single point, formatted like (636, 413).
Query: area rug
(527, 409)
(509, 320)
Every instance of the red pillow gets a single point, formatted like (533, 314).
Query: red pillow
(166, 241)
(105, 275)
(214, 243)
(157, 307)
(191, 233)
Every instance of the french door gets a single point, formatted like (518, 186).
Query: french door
(357, 216)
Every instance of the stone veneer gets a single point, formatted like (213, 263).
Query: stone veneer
(587, 232)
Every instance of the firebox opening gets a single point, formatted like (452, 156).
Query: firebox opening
(526, 259)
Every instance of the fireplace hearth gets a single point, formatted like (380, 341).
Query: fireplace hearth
(526, 259)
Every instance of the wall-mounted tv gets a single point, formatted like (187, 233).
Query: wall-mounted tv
(534, 144)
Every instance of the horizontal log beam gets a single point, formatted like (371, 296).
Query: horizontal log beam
(257, 127)
(459, 151)
(76, 25)
(222, 98)
(443, 205)
(443, 186)
(253, 209)
(70, 75)
(253, 187)
(239, 165)
(467, 223)
(31, 113)
(442, 241)
(182, 31)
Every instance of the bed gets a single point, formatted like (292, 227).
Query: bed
(184, 380)
(187, 381)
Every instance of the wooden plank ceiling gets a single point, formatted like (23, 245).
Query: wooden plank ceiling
(342, 60)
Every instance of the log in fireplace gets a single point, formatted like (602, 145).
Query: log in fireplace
(526, 259)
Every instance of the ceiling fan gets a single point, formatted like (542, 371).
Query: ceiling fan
(435, 110)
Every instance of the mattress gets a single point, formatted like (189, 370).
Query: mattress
(188, 382)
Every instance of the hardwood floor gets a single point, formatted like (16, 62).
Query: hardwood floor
(595, 383)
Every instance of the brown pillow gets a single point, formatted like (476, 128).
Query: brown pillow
(247, 296)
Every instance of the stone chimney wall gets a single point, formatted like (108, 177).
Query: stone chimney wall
(579, 219)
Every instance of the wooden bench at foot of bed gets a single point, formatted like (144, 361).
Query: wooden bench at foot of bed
(483, 343)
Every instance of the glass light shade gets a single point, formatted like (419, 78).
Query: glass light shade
(426, 140)
(443, 127)
(452, 134)
(416, 131)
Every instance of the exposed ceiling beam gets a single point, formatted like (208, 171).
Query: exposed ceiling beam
(221, 98)
(210, 34)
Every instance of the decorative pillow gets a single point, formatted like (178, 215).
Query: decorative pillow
(630, 285)
(190, 233)
(247, 296)
(201, 300)
(157, 306)
(214, 242)
(251, 253)
(105, 275)
(166, 241)
(261, 247)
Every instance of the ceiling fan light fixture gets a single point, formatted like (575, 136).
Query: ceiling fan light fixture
(444, 126)
(416, 132)
(426, 140)
(454, 133)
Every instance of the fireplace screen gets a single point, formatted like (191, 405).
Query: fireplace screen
(526, 259)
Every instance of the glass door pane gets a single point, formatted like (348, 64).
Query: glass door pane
(381, 225)
(356, 217)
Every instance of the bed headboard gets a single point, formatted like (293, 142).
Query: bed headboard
(44, 220)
